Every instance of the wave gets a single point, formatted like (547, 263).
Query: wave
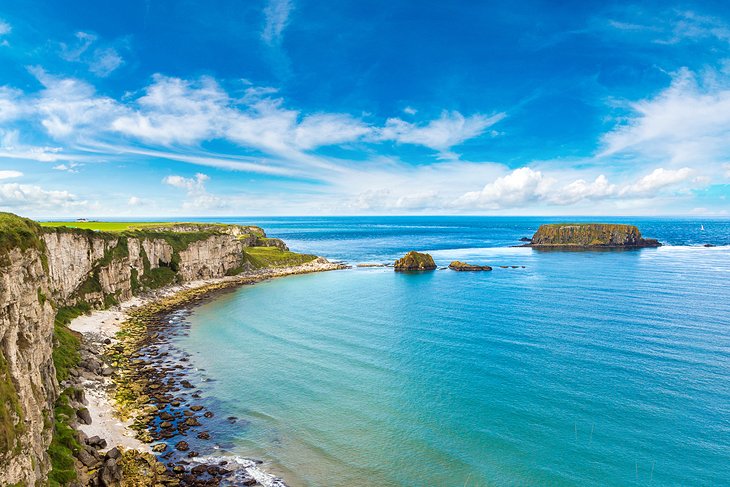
(242, 469)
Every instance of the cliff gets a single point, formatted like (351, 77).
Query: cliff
(415, 261)
(49, 275)
(590, 235)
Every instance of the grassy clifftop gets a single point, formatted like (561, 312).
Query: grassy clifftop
(590, 235)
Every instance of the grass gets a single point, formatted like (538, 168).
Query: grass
(18, 232)
(106, 226)
(262, 257)
(64, 444)
(66, 346)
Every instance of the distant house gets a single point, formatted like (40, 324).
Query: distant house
(81, 220)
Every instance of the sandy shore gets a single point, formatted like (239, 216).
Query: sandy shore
(101, 326)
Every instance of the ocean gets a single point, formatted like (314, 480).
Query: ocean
(582, 368)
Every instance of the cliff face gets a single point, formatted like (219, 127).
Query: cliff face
(590, 235)
(27, 375)
(45, 269)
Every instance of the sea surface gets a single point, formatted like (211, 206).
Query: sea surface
(582, 368)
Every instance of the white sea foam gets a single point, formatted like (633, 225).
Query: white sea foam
(242, 468)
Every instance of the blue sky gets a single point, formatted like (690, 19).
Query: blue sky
(296, 107)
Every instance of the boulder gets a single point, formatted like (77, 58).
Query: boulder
(84, 415)
(463, 266)
(415, 261)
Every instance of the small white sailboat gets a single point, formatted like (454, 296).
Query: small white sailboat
(702, 228)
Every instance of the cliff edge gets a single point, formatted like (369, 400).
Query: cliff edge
(590, 235)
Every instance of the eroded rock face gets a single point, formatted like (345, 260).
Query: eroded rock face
(212, 257)
(27, 375)
(415, 261)
(589, 235)
(463, 266)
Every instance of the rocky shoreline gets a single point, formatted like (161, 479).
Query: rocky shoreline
(143, 395)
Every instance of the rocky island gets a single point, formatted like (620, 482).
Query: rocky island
(590, 235)
(463, 266)
(53, 275)
(415, 261)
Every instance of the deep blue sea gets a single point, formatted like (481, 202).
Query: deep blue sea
(582, 368)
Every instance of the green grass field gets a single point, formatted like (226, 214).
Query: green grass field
(106, 226)
(262, 257)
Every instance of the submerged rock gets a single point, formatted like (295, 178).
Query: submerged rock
(463, 266)
(590, 235)
(415, 261)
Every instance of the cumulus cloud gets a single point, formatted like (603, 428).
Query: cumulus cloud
(525, 185)
(276, 15)
(197, 196)
(658, 179)
(5, 28)
(25, 197)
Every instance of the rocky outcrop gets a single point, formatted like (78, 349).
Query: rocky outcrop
(463, 266)
(590, 235)
(415, 261)
(46, 268)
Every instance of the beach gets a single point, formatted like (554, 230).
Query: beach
(99, 331)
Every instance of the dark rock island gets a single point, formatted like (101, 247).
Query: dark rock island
(415, 261)
(590, 235)
(463, 266)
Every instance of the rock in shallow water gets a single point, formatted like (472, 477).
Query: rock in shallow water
(463, 266)
(415, 261)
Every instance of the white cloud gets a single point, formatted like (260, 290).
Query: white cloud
(410, 111)
(197, 197)
(5, 28)
(517, 188)
(16, 197)
(69, 167)
(101, 61)
(524, 186)
(686, 125)
(105, 61)
(11, 106)
(658, 179)
(10, 174)
(67, 105)
(11, 148)
(447, 131)
(191, 184)
(134, 201)
(276, 16)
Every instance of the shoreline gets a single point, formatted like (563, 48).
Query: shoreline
(133, 385)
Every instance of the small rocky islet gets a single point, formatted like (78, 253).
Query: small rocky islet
(589, 236)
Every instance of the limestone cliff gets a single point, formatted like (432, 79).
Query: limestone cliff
(588, 235)
(45, 271)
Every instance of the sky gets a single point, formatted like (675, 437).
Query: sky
(302, 107)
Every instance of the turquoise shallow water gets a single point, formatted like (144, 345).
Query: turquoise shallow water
(583, 368)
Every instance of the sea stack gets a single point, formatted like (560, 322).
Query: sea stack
(590, 235)
(463, 266)
(415, 261)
